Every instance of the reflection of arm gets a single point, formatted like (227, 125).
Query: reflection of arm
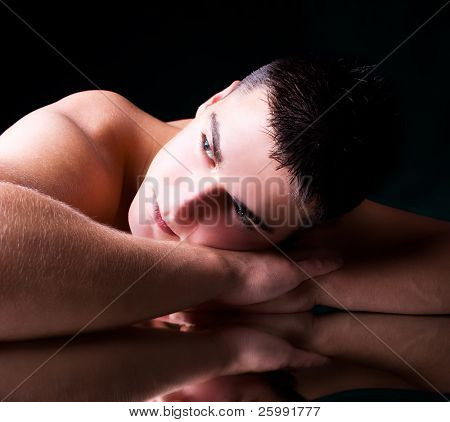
(420, 341)
(134, 365)
(415, 280)
(140, 363)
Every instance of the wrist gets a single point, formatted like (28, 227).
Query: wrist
(318, 339)
(230, 267)
(230, 351)
(325, 292)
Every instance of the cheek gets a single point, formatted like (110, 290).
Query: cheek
(177, 158)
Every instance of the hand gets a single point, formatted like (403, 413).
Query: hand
(264, 276)
(301, 299)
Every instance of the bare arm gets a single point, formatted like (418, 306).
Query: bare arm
(394, 262)
(415, 280)
(62, 270)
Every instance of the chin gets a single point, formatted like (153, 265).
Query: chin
(141, 230)
(137, 229)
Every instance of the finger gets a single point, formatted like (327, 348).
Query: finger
(303, 254)
(303, 359)
(314, 267)
(203, 319)
(300, 299)
(291, 327)
(216, 320)
(219, 319)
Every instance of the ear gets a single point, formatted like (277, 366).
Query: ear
(217, 97)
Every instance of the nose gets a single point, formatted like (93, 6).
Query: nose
(202, 206)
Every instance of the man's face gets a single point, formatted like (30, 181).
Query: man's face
(214, 183)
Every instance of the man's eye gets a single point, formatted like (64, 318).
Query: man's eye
(207, 147)
(243, 217)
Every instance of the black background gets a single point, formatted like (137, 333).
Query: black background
(169, 57)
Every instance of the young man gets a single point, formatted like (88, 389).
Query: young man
(70, 171)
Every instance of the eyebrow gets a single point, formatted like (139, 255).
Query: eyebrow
(216, 137)
(256, 219)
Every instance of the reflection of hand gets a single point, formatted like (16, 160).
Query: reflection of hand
(263, 276)
(258, 343)
(258, 351)
(400, 345)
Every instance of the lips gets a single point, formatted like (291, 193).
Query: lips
(159, 220)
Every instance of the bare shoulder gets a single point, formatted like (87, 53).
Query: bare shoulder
(102, 115)
(120, 126)
(87, 150)
(70, 150)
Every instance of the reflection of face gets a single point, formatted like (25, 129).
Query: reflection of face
(241, 388)
(214, 181)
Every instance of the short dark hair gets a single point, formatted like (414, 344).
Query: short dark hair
(323, 128)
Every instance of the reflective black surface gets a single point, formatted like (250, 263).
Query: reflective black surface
(233, 357)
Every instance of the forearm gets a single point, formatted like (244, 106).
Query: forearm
(414, 282)
(61, 270)
(389, 342)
